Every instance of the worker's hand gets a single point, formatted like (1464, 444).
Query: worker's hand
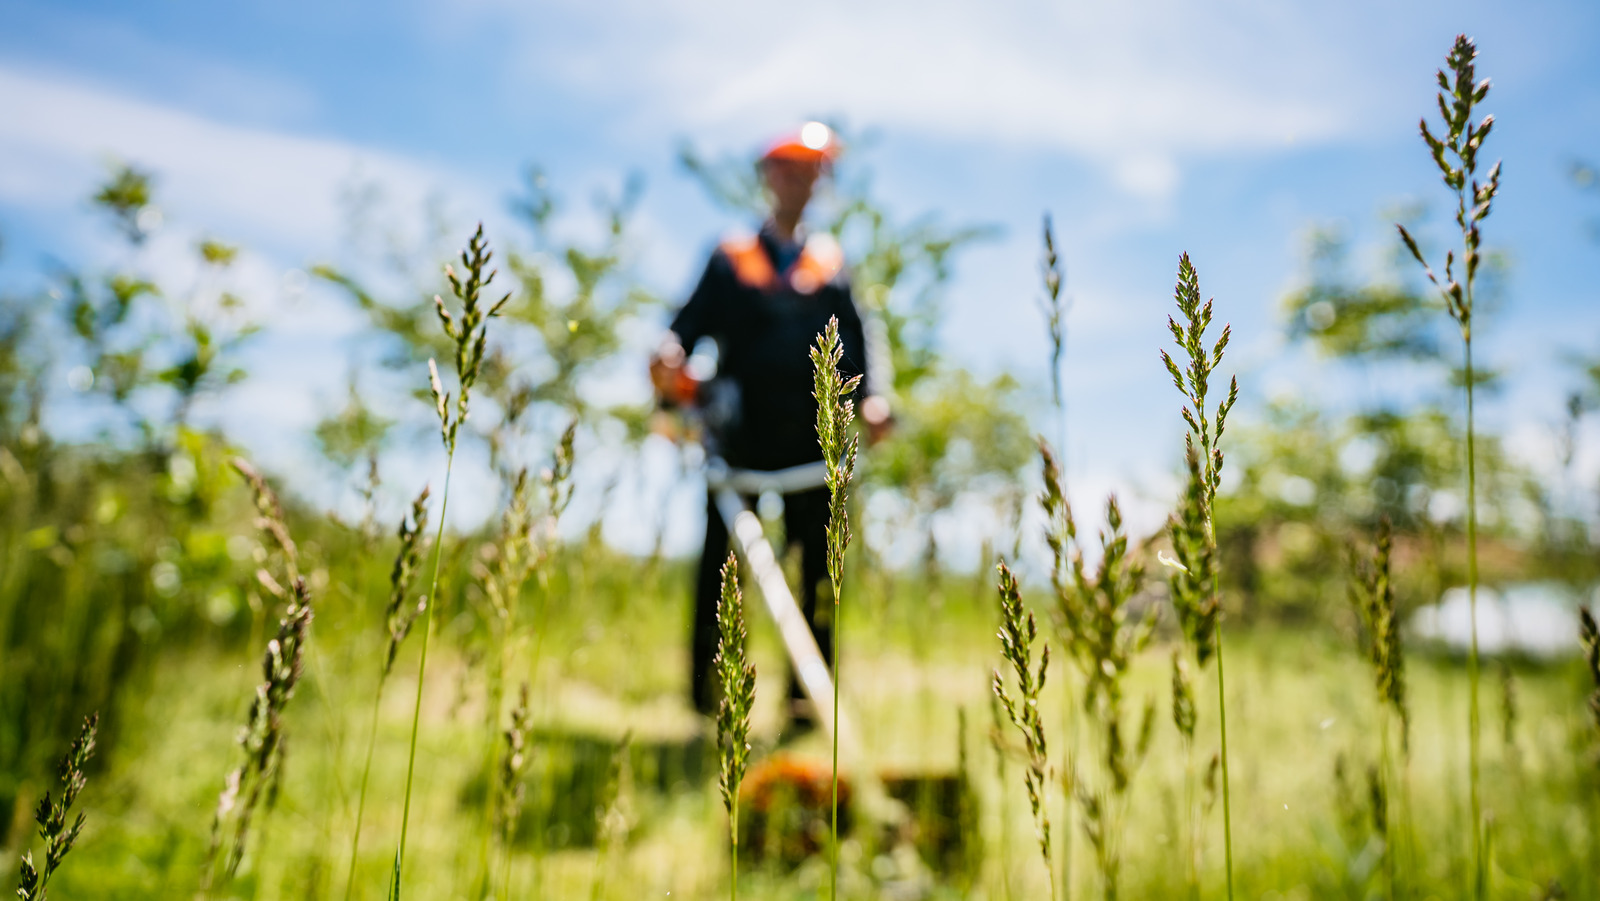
(875, 413)
(666, 372)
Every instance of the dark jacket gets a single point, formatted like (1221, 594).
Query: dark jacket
(765, 318)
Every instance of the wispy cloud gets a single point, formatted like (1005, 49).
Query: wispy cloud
(257, 184)
(1132, 86)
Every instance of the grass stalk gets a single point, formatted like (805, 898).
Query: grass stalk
(361, 800)
(1018, 631)
(1069, 762)
(835, 412)
(1474, 714)
(51, 815)
(504, 567)
(422, 669)
(1386, 770)
(1054, 305)
(1455, 152)
(1227, 800)
(1192, 857)
(398, 619)
(1195, 574)
(470, 334)
(997, 741)
(257, 778)
(1058, 535)
(1103, 643)
(738, 680)
(511, 789)
(1373, 595)
(613, 814)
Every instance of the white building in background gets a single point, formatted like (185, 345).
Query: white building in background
(1539, 619)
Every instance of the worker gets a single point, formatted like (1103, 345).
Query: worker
(763, 299)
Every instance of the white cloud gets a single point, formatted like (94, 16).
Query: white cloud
(1133, 86)
(1147, 174)
(251, 183)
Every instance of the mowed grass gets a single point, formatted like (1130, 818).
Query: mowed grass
(609, 658)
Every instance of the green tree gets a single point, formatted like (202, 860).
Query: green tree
(151, 350)
(1312, 479)
(565, 323)
(126, 535)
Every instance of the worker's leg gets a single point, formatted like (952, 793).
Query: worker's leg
(707, 590)
(805, 520)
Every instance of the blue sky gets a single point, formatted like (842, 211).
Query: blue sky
(1147, 128)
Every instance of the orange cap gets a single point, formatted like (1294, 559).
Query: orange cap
(812, 142)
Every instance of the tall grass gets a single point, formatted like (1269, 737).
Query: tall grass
(1103, 643)
(1194, 578)
(1456, 155)
(511, 791)
(737, 679)
(1054, 305)
(835, 412)
(1018, 631)
(1198, 609)
(258, 777)
(1375, 608)
(51, 815)
(470, 334)
(399, 616)
(1002, 751)
(521, 550)
(502, 567)
(614, 814)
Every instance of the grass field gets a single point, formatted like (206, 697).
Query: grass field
(611, 660)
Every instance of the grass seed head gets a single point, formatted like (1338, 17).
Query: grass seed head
(1183, 709)
(262, 737)
(1378, 801)
(557, 478)
(1102, 642)
(1375, 607)
(1060, 533)
(1054, 305)
(470, 332)
(511, 557)
(400, 616)
(1209, 785)
(271, 522)
(1018, 632)
(513, 762)
(51, 815)
(738, 680)
(1106, 642)
(1193, 581)
(1192, 572)
(1455, 152)
(835, 413)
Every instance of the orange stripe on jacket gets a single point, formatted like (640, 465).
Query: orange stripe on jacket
(751, 266)
(819, 262)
